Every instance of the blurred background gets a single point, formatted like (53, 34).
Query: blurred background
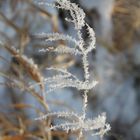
(115, 64)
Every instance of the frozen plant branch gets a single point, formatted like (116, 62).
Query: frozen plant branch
(61, 49)
(55, 37)
(63, 79)
(97, 126)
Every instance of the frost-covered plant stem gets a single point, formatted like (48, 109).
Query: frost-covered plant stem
(86, 72)
(85, 67)
(86, 77)
(79, 122)
(85, 94)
